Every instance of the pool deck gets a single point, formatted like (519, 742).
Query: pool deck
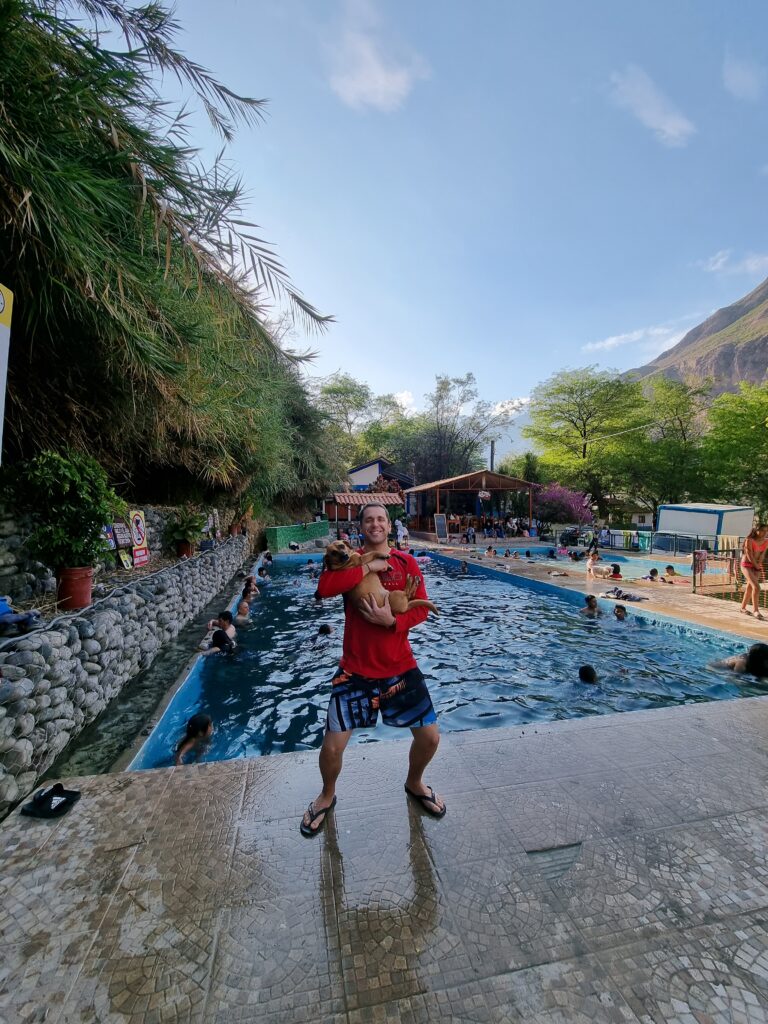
(606, 869)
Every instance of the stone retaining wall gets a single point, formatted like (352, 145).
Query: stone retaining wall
(57, 681)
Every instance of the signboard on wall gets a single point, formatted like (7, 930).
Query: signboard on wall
(441, 527)
(122, 535)
(140, 555)
(6, 306)
(139, 538)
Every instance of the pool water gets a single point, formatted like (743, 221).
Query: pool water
(631, 567)
(502, 653)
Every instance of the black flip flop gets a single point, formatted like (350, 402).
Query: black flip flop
(425, 799)
(51, 803)
(307, 830)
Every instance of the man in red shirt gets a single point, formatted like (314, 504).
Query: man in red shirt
(378, 672)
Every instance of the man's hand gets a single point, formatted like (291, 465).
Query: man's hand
(377, 616)
(380, 564)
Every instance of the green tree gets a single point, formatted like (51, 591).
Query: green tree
(346, 401)
(527, 466)
(735, 448)
(663, 462)
(579, 418)
(459, 425)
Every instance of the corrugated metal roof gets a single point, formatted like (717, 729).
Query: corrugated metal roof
(365, 498)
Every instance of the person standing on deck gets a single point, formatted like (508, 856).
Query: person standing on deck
(378, 672)
(401, 533)
(752, 557)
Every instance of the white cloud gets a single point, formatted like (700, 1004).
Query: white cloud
(743, 78)
(635, 90)
(406, 401)
(650, 341)
(510, 406)
(717, 262)
(753, 263)
(364, 74)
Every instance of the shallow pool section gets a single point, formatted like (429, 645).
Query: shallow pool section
(502, 652)
(632, 567)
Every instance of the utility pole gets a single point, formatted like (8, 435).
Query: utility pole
(493, 454)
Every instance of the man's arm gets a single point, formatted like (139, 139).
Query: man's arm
(339, 581)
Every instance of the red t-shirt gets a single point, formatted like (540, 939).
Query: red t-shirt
(374, 651)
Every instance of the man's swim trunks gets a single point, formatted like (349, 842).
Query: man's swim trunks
(403, 700)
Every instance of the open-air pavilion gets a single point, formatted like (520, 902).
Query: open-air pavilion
(462, 498)
(344, 506)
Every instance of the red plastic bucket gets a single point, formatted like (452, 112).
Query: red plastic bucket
(75, 587)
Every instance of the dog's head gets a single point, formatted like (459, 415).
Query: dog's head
(337, 555)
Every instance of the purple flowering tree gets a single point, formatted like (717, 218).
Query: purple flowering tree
(556, 504)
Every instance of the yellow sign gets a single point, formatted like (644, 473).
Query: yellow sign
(6, 306)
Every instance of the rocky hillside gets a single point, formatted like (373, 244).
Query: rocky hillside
(730, 346)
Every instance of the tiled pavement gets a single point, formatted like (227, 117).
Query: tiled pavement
(609, 869)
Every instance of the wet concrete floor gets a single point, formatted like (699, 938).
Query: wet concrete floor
(602, 869)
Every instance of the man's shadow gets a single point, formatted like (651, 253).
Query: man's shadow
(391, 932)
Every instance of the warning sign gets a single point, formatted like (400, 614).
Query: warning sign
(140, 556)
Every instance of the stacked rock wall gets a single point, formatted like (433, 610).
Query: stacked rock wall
(58, 680)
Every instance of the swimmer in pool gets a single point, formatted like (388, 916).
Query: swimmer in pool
(620, 613)
(753, 662)
(590, 608)
(196, 736)
(587, 674)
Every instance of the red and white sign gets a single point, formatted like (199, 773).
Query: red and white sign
(139, 538)
(140, 556)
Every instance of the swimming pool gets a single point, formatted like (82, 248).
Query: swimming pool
(631, 567)
(504, 651)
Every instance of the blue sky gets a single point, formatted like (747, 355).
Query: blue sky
(503, 187)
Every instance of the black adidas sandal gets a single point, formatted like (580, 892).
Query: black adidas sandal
(51, 803)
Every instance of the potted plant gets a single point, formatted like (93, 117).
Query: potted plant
(68, 501)
(185, 530)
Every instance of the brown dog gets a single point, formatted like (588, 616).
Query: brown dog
(339, 555)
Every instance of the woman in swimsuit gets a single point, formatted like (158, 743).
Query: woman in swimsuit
(752, 557)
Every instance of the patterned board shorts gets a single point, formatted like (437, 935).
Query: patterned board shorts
(403, 700)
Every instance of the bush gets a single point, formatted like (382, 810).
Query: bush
(69, 500)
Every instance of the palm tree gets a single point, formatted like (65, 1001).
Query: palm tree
(140, 330)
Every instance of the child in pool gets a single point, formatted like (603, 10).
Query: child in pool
(199, 730)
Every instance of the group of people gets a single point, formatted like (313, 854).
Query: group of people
(221, 639)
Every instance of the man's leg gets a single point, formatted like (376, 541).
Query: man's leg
(426, 740)
(331, 759)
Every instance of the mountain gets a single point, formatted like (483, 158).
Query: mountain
(729, 347)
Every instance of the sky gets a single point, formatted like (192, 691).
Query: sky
(502, 187)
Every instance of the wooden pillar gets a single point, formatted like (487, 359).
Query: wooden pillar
(437, 489)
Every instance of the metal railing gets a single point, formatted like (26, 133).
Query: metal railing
(650, 541)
